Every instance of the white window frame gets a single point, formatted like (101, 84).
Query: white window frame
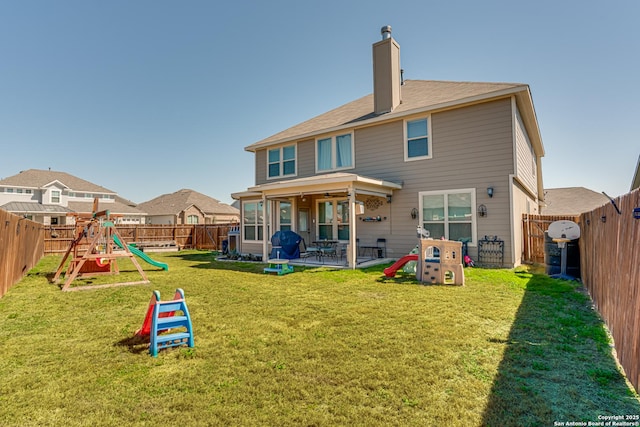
(51, 196)
(446, 193)
(334, 138)
(191, 218)
(280, 221)
(406, 139)
(336, 222)
(257, 224)
(281, 161)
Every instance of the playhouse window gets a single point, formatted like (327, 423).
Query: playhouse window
(448, 214)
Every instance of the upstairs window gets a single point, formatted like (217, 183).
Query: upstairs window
(281, 161)
(334, 153)
(55, 196)
(417, 141)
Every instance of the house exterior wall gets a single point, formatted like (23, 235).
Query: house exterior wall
(473, 148)
(18, 197)
(526, 164)
(522, 204)
(160, 219)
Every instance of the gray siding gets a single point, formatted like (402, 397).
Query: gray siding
(305, 152)
(473, 148)
(525, 157)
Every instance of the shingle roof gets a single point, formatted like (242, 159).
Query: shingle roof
(174, 203)
(571, 201)
(417, 95)
(36, 178)
(113, 207)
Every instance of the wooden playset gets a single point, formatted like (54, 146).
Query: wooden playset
(92, 251)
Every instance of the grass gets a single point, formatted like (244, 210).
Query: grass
(317, 347)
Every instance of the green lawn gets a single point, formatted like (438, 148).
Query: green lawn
(318, 347)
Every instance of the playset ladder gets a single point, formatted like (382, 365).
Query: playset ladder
(170, 315)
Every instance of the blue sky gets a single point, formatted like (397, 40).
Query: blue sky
(148, 97)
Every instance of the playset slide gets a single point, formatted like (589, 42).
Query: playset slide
(137, 252)
(392, 269)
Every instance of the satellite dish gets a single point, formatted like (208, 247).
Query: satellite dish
(564, 230)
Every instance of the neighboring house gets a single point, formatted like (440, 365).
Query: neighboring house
(635, 183)
(188, 207)
(47, 197)
(571, 201)
(461, 159)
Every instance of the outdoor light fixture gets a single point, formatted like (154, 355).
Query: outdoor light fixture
(482, 210)
(389, 198)
(490, 191)
(414, 213)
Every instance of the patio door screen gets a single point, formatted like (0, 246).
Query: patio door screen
(333, 219)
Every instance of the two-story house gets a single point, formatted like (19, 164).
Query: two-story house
(460, 159)
(47, 197)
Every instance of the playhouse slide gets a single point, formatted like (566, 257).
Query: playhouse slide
(137, 252)
(392, 269)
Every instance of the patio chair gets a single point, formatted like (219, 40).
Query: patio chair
(304, 251)
(382, 248)
(329, 251)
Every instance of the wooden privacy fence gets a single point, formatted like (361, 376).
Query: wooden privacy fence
(193, 236)
(21, 247)
(610, 266)
(533, 228)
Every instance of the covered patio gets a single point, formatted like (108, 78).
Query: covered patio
(321, 208)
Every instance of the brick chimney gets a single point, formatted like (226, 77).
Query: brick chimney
(386, 73)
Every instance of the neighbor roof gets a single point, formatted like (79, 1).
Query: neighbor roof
(34, 207)
(571, 201)
(115, 207)
(174, 203)
(36, 178)
(417, 96)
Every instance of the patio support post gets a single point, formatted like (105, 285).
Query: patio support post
(265, 228)
(352, 254)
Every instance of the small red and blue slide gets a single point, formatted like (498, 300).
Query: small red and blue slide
(392, 269)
